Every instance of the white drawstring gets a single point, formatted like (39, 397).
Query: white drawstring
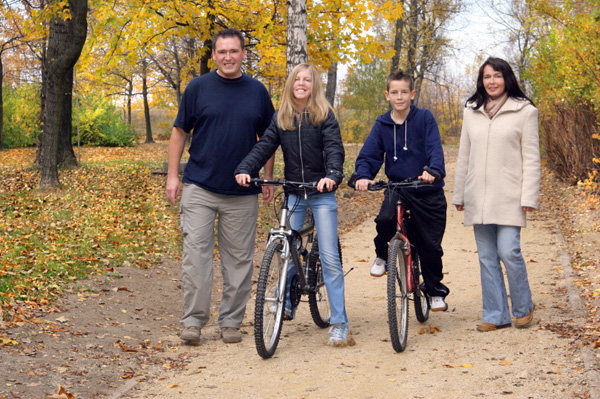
(395, 157)
(405, 148)
(405, 136)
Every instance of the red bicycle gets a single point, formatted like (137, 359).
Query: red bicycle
(404, 279)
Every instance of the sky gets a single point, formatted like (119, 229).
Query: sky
(474, 32)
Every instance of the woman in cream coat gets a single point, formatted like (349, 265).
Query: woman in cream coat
(497, 183)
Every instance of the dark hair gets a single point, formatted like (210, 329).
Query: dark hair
(227, 33)
(511, 86)
(399, 75)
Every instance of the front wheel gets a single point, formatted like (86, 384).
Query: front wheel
(397, 296)
(268, 312)
(318, 300)
(420, 295)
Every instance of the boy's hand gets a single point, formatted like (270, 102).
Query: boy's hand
(426, 177)
(243, 179)
(363, 184)
(325, 182)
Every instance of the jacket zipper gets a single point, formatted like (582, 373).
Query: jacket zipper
(300, 148)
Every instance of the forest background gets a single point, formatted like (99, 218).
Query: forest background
(111, 74)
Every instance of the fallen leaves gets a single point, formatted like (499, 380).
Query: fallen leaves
(111, 212)
(429, 330)
(61, 393)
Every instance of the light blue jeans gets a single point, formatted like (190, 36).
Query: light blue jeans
(497, 243)
(324, 209)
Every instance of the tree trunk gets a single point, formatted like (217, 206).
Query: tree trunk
(65, 42)
(204, 68)
(208, 44)
(398, 41)
(296, 34)
(331, 83)
(129, 97)
(1, 101)
(65, 157)
(146, 106)
(413, 37)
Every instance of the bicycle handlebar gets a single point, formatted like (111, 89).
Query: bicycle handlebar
(284, 183)
(412, 182)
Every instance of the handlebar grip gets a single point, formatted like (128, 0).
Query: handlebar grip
(433, 173)
(352, 181)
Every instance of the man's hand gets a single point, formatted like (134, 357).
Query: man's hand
(268, 193)
(327, 183)
(363, 184)
(173, 189)
(459, 208)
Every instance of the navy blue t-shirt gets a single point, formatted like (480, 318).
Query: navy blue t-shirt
(225, 116)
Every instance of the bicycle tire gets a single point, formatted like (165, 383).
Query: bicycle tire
(397, 296)
(268, 312)
(318, 301)
(420, 297)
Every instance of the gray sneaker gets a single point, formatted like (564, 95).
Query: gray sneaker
(338, 334)
(191, 334)
(231, 335)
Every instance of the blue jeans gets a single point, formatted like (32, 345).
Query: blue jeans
(497, 243)
(324, 209)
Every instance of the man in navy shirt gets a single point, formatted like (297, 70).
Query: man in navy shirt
(226, 111)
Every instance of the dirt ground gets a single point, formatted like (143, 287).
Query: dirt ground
(117, 336)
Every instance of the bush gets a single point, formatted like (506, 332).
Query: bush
(100, 124)
(565, 76)
(21, 116)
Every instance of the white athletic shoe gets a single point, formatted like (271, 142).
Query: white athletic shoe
(438, 304)
(379, 267)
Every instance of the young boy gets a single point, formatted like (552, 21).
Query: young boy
(407, 139)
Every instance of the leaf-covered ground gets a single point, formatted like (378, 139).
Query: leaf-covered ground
(575, 210)
(110, 211)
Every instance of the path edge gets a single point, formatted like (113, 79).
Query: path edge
(589, 360)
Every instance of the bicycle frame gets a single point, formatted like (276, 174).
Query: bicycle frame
(290, 239)
(402, 235)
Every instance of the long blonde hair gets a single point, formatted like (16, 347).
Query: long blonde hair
(318, 107)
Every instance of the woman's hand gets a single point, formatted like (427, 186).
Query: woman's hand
(243, 179)
(528, 209)
(327, 183)
(363, 184)
(459, 208)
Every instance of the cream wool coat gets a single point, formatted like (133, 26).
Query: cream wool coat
(498, 166)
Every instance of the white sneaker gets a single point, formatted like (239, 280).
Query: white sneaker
(438, 304)
(379, 267)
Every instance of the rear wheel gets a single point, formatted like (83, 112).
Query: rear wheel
(397, 296)
(318, 300)
(268, 313)
(420, 295)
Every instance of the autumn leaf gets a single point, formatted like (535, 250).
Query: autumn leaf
(61, 393)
